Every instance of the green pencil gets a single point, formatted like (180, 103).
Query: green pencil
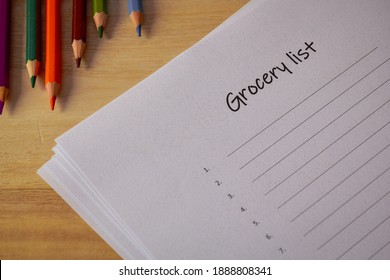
(99, 11)
(33, 39)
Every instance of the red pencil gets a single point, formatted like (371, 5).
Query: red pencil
(53, 49)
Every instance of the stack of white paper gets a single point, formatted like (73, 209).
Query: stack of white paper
(267, 139)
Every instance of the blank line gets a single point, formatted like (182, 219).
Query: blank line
(337, 162)
(316, 112)
(343, 204)
(310, 160)
(361, 239)
(350, 223)
(257, 134)
(339, 184)
(322, 129)
(383, 247)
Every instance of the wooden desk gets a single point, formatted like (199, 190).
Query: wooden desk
(35, 223)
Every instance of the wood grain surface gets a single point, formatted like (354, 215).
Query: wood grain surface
(35, 223)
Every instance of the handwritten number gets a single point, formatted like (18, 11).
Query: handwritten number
(282, 250)
(230, 196)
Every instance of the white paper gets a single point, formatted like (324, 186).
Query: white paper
(300, 170)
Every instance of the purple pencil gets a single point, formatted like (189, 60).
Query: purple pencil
(5, 24)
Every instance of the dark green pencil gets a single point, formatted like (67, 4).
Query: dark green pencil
(33, 39)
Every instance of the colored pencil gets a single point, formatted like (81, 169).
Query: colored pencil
(136, 14)
(79, 27)
(33, 39)
(53, 49)
(99, 12)
(5, 25)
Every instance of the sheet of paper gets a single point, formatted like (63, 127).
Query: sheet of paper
(268, 139)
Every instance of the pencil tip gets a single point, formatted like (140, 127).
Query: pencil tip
(78, 61)
(52, 102)
(138, 29)
(33, 79)
(1, 107)
(100, 31)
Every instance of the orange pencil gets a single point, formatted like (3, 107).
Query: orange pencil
(53, 49)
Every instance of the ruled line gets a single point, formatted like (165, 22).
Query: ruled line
(337, 162)
(380, 249)
(364, 237)
(316, 112)
(322, 129)
(310, 160)
(347, 201)
(291, 109)
(339, 184)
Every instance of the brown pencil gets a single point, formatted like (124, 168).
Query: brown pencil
(79, 15)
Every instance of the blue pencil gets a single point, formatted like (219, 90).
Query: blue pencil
(136, 14)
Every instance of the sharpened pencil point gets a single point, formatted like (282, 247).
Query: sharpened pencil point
(78, 61)
(138, 29)
(3, 97)
(100, 31)
(32, 80)
(52, 102)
